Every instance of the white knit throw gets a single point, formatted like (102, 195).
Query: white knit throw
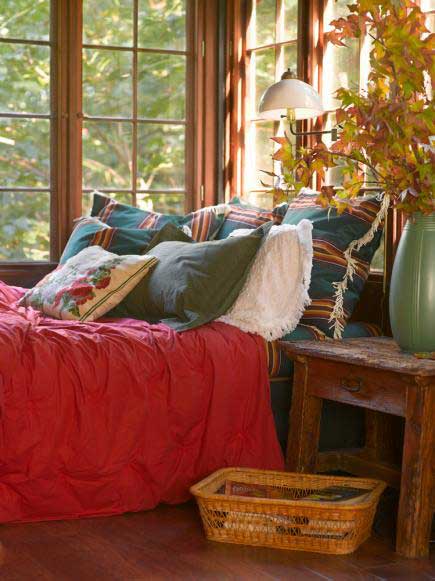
(275, 293)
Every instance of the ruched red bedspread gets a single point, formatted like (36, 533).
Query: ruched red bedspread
(108, 417)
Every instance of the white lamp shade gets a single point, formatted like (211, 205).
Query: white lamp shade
(290, 94)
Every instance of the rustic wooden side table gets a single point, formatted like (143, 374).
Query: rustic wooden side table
(374, 374)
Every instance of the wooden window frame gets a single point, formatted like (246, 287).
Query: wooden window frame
(237, 79)
(202, 101)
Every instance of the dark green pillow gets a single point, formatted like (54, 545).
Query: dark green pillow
(332, 234)
(92, 232)
(192, 284)
(169, 232)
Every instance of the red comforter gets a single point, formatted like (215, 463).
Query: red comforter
(108, 417)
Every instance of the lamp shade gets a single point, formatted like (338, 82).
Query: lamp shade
(293, 94)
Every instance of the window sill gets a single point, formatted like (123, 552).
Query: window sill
(25, 274)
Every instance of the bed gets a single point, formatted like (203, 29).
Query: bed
(119, 415)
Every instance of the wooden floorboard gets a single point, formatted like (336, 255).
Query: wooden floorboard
(168, 543)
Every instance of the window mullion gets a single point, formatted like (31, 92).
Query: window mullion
(135, 99)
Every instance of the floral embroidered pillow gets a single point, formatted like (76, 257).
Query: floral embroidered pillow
(88, 285)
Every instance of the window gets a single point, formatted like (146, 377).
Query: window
(26, 128)
(272, 48)
(100, 94)
(136, 106)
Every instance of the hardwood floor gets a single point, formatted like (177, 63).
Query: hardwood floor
(168, 543)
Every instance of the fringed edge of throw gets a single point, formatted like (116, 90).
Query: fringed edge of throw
(337, 315)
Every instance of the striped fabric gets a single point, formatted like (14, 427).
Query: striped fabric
(93, 232)
(280, 366)
(332, 234)
(243, 215)
(204, 223)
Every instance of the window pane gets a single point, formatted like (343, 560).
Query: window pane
(162, 86)
(341, 65)
(260, 199)
(263, 27)
(24, 78)
(108, 22)
(427, 5)
(24, 226)
(263, 75)
(259, 155)
(107, 151)
(107, 83)
(288, 59)
(164, 203)
(160, 157)
(290, 29)
(25, 152)
(162, 24)
(25, 19)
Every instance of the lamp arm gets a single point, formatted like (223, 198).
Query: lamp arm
(333, 132)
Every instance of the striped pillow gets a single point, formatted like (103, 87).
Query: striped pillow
(332, 234)
(204, 223)
(243, 215)
(93, 232)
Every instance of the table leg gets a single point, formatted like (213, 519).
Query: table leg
(415, 508)
(305, 415)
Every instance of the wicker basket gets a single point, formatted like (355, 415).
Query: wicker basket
(323, 527)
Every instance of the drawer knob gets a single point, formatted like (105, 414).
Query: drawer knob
(352, 385)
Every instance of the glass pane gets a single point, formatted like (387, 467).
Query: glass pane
(288, 59)
(24, 226)
(430, 22)
(162, 24)
(260, 199)
(259, 150)
(123, 197)
(341, 65)
(26, 19)
(164, 203)
(290, 28)
(107, 152)
(427, 5)
(108, 22)
(107, 83)
(263, 75)
(160, 164)
(24, 78)
(162, 85)
(25, 152)
(263, 28)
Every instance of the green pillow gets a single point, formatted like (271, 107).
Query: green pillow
(192, 284)
(93, 232)
(169, 232)
(204, 223)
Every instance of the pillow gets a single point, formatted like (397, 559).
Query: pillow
(93, 232)
(276, 290)
(204, 223)
(192, 284)
(88, 284)
(169, 232)
(244, 215)
(332, 234)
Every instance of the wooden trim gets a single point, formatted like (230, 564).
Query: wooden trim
(25, 274)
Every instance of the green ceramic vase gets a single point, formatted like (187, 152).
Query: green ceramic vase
(412, 291)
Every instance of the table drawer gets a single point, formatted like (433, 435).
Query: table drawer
(356, 385)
